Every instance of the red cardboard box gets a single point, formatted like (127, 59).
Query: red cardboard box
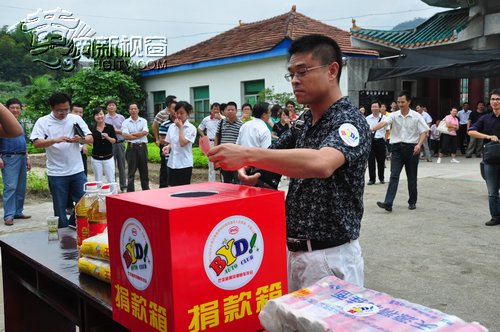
(202, 257)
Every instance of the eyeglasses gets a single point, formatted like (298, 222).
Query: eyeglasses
(495, 99)
(62, 111)
(301, 72)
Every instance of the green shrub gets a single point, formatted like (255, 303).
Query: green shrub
(153, 153)
(35, 183)
(31, 149)
(199, 158)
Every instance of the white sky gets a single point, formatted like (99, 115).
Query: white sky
(185, 23)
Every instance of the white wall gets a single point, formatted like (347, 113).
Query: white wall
(225, 82)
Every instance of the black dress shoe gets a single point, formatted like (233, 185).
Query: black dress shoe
(492, 222)
(382, 182)
(412, 207)
(371, 182)
(384, 206)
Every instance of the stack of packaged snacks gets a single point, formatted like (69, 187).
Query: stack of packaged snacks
(94, 259)
(336, 305)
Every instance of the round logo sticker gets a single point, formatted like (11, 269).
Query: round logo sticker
(136, 254)
(349, 134)
(361, 309)
(233, 252)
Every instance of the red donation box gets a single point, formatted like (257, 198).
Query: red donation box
(202, 257)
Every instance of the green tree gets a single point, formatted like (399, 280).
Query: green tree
(92, 87)
(37, 97)
(12, 90)
(17, 63)
(272, 97)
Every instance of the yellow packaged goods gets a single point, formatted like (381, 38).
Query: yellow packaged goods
(96, 246)
(95, 268)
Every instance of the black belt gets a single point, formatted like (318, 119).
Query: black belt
(12, 153)
(106, 157)
(121, 141)
(404, 144)
(135, 144)
(310, 245)
(378, 139)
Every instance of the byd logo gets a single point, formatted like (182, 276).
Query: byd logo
(228, 254)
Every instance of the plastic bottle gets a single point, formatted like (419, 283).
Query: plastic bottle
(97, 216)
(81, 210)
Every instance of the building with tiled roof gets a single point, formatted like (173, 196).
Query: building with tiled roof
(441, 29)
(457, 46)
(237, 64)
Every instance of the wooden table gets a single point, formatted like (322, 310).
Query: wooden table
(43, 290)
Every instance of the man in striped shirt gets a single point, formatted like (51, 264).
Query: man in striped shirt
(227, 132)
(162, 116)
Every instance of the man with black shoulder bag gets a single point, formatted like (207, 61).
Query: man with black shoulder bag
(488, 128)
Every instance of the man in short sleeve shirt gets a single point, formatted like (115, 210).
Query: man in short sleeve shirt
(408, 133)
(55, 133)
(326, 160)
(488, 129)
(135, 131)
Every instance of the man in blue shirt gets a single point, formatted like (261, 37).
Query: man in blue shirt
(488, 128)
(14, 163)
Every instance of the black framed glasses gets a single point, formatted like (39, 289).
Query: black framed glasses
(301, 72)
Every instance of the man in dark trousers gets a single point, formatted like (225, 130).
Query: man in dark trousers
(408, 132)
(488, 129)
(377, 152)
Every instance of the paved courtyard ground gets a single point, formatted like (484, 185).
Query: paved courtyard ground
(440, 255)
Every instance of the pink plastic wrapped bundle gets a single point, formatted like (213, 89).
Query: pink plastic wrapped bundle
(336, 305)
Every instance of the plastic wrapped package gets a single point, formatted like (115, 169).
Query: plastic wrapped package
(95, 268)
(96, 247)
(334, 305)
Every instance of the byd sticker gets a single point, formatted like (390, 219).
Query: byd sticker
(136, 254)
(233, 252)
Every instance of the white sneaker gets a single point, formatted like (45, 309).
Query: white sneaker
(454, 161)
(438, 161)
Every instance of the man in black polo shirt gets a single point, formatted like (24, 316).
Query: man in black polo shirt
(326, 161)
(488, 129)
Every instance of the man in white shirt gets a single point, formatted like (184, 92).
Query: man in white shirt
(55, 132)
(135, 131)
(463, 119)
(208, 127)
(408, 132)
(377, 152)
(255, 133)
(426, 153)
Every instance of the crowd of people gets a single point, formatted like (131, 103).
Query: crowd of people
(413, 136)
(324, 151)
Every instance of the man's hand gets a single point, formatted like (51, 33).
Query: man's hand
(1, 163)
(74, 139)
(28, 164)
(248, 180)
(229, 156)
(416, 150)
(493, 138)
(166, 150)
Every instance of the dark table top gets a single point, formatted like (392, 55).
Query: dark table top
(58, 260)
